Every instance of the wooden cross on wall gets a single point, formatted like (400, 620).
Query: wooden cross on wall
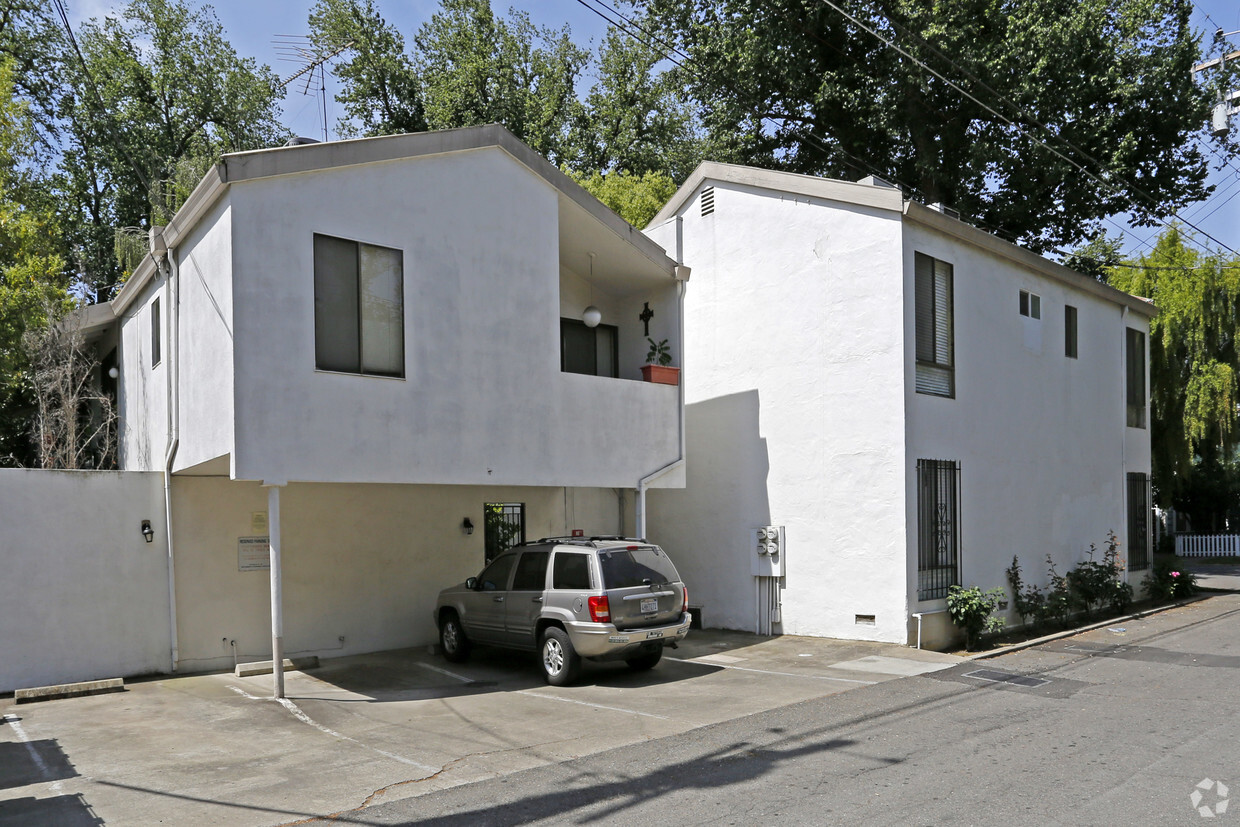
(645, 316)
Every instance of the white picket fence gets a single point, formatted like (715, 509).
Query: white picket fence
(1207, 545)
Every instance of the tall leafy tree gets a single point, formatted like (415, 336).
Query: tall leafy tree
(1194, 373)
(796, 84)
(635, 198)
(150, 88)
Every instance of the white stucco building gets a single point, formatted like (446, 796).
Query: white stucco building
(913, 400)
(360, 349)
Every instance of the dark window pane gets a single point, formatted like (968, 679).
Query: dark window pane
(337, 344)
(155, 331)
(625, 568)
(531, 572)
(1069, 331)
(571, 571)
(1136, 378)
(495, 577)
(578, 348)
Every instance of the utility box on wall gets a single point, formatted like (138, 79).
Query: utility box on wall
(767, 544)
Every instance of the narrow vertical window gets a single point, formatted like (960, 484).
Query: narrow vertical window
(1138, 521)
(938, 527)
(933, 323)
(1069, 331)
(1135, 380)
(155, 333)
(359, 307)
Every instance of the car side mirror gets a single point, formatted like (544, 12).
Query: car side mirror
(472, 584)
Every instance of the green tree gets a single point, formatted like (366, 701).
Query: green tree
(794, 84)
(155, 86)
(1194, 368)
(635, 198)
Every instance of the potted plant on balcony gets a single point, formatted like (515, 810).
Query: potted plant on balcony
(658, 367)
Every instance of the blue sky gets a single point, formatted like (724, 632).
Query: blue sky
(254, 25)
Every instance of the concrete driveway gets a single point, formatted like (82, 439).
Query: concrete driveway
(213, 749)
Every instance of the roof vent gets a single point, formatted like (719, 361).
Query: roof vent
(299, 140)
(875, 181)
(708, 201)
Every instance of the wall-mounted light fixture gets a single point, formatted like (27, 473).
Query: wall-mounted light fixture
(147, 532)
(467, 526)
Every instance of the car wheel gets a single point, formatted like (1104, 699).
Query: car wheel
(452, 638)
(560, 661)
(646, 660)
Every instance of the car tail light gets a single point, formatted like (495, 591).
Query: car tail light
(685, 607)
(600, 609)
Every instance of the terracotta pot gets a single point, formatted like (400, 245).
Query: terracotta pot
(661, 375)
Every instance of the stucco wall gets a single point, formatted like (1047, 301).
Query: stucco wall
(142, 404)
(1040, 438)
(362, 562)
(795, 411)
(82, 595)
(483, 400)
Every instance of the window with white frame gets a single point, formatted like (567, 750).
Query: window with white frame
(359, 307)
(1030, 304)
(936, 374)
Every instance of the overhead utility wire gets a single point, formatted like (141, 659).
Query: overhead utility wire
(1080, 167)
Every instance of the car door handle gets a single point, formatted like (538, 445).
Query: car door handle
(498, 599)
(536, 599)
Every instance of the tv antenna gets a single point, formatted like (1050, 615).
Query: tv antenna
(297, 48)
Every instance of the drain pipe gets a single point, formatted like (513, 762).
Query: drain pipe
(159, 251)
(639, 507)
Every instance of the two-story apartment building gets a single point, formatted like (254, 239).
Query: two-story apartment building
(371, 355)
(908, 400)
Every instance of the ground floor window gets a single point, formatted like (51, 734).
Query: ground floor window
(938, 527)
(1138, 521)
(503, 526)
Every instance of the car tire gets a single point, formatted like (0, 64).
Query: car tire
(452, 640)
(645, 661)
(560, 662)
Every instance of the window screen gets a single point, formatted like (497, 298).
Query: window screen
(358, 307)
(934, 335)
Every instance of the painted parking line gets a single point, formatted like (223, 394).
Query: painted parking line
(544, 696)
(306, 719)
(460, 678)
(699, 662)
(15, 722)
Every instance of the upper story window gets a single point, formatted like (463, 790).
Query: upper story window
(593, 351)
(1069, 331)
(359, 307)
(155, 333)
(1030, 304)
(1135, 377)
(936, 373)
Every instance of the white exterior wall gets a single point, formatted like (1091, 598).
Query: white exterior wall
(483, 400)
(204, 280)
(1040, 438)
(83, 596)
(794, 361)
(142, 406)
(362, 562)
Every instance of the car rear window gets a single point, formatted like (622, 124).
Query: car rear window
(623, 568)
(570, 571)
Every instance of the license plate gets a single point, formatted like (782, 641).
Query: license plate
(651, 605)
(652, 635)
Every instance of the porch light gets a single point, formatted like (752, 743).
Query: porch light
(113, 372)
(592, 316)
(147, 532)
(467, 526)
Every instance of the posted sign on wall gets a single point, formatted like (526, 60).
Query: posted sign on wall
(253, 553)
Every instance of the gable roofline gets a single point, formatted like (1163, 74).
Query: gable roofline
(258, 164)
(891, 198)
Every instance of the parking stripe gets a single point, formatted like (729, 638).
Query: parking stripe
(306, 719)
(15, 723)
(460, 678)
(534, 694)
(697, 662)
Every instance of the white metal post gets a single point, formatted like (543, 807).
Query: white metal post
(277, 609)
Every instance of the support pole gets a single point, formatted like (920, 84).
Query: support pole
(277, 607)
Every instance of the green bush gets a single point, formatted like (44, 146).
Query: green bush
(1028, 601)
(971, 609)
(1095, 584)
(1166, 582)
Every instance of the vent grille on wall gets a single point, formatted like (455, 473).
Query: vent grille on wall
(708, 201)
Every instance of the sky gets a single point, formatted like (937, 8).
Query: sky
(254, 26)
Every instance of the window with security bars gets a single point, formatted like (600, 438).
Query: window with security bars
(503, 527)
(938, 527)
(1138, 521)
(1135, 379)
(936, 374)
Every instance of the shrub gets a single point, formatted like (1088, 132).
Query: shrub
(1059, 601)
(1027, 600)
(1166, 582)
(971, 609)
(1094, 584)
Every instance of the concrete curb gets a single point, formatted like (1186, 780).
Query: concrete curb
(263, 667)
(1027, 644)
(68, 690)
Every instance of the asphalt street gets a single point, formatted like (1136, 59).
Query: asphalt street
(1131, 724)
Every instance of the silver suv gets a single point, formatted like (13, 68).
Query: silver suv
(603, 598)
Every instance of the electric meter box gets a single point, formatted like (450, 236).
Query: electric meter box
(767, 551)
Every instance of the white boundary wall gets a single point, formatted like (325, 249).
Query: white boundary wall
(82, 595)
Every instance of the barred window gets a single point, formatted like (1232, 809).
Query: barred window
(938, 527)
